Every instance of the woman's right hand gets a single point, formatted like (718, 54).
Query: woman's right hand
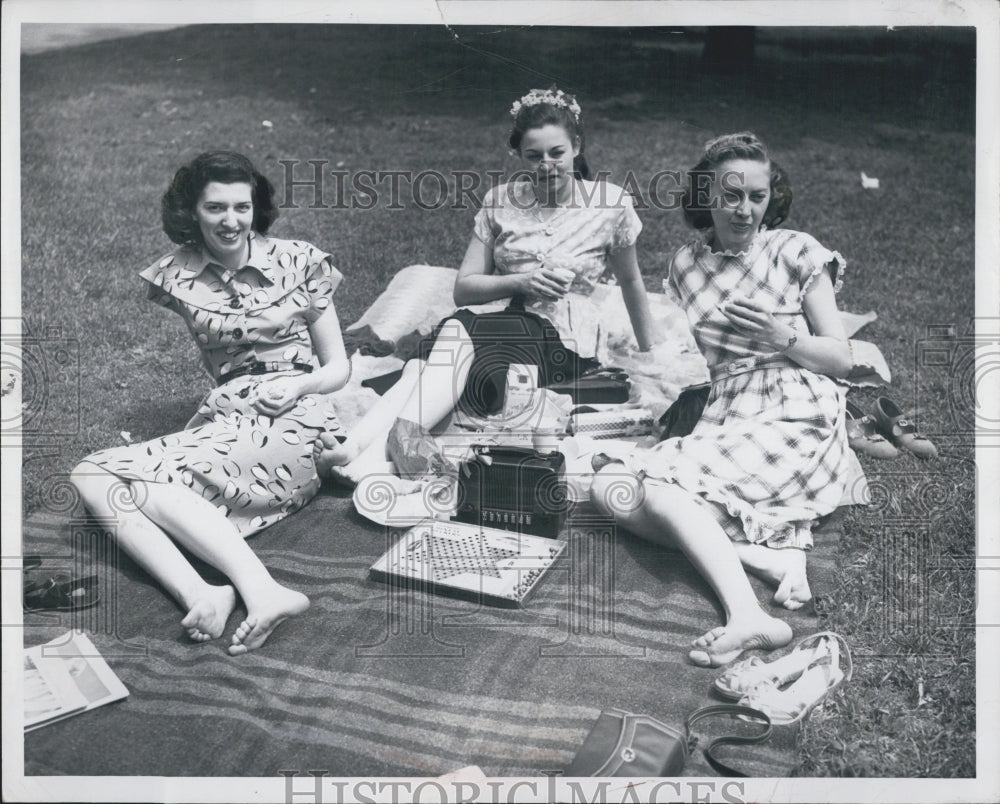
(545, 283)
(276, 396)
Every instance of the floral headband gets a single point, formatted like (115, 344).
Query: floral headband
(552, 96)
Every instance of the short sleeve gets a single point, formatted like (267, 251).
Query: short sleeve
(812, 259)
(670, 290)
(155, 276)
(670, 283)
(484, 225)
(322, 281)
(155, 293)
(627, 225)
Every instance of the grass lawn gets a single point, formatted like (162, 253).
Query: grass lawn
(105, 125)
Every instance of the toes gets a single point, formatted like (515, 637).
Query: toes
(785, 592)
(194, 627)
(790, 595)
(242, 631)
(707, 639)
(705, 659)
(238, 650)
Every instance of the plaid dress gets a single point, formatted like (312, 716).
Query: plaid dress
(769, 454)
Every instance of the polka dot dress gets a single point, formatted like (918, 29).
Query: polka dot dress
(256, 469)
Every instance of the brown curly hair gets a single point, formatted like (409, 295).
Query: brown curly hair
(228, 167)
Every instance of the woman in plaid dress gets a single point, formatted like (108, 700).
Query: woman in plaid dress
(769, 454)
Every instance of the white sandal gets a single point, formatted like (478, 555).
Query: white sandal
(740, 678)
(794, 703)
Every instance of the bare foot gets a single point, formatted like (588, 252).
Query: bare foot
(366, 464)
(743, 632)
(265, 613)
(330, 454)
(784, 567)
(207, 617)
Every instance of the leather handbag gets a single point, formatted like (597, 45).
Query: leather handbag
(623, 744)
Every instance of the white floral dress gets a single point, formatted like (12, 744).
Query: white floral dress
(255, 468)
(564, 337)
(769, 454)
(580, 236)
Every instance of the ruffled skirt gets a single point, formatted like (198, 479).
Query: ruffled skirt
(768, 456)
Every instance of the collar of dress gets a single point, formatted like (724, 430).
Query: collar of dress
(283, 269)
(705, 244)
(260, 258)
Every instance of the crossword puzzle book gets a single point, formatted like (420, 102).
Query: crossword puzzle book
(496, 567)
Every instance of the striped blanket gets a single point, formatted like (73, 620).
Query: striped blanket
(376, 680)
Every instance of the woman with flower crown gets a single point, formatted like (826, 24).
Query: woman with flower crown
(543, 240)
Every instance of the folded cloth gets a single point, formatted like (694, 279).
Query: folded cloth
(870, 368)
(416, 299)
(399, 503)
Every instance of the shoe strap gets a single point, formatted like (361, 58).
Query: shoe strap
(747, 712)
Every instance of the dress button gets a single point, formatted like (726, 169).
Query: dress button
(549, 230)
(237, 333)
(235, 303)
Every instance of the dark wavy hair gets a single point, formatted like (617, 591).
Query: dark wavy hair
(545, 114)
(227, 167)
(742, 145)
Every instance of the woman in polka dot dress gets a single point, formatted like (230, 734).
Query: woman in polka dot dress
(261, 311)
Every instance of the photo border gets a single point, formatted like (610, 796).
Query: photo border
(982, 15)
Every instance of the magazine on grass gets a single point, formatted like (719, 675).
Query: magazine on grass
(65, 677)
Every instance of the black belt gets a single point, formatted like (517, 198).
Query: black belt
(260, 367)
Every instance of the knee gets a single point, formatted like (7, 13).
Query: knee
(84, 478)
(616, 492)
(92, 483)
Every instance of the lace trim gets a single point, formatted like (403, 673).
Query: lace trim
(704, 244)
(838, 263)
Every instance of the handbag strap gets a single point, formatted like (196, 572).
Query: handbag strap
(747, 712)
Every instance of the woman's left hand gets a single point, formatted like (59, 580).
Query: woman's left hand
(754, 321)
(277, 396)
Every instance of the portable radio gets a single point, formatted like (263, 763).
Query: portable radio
(521, 490)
